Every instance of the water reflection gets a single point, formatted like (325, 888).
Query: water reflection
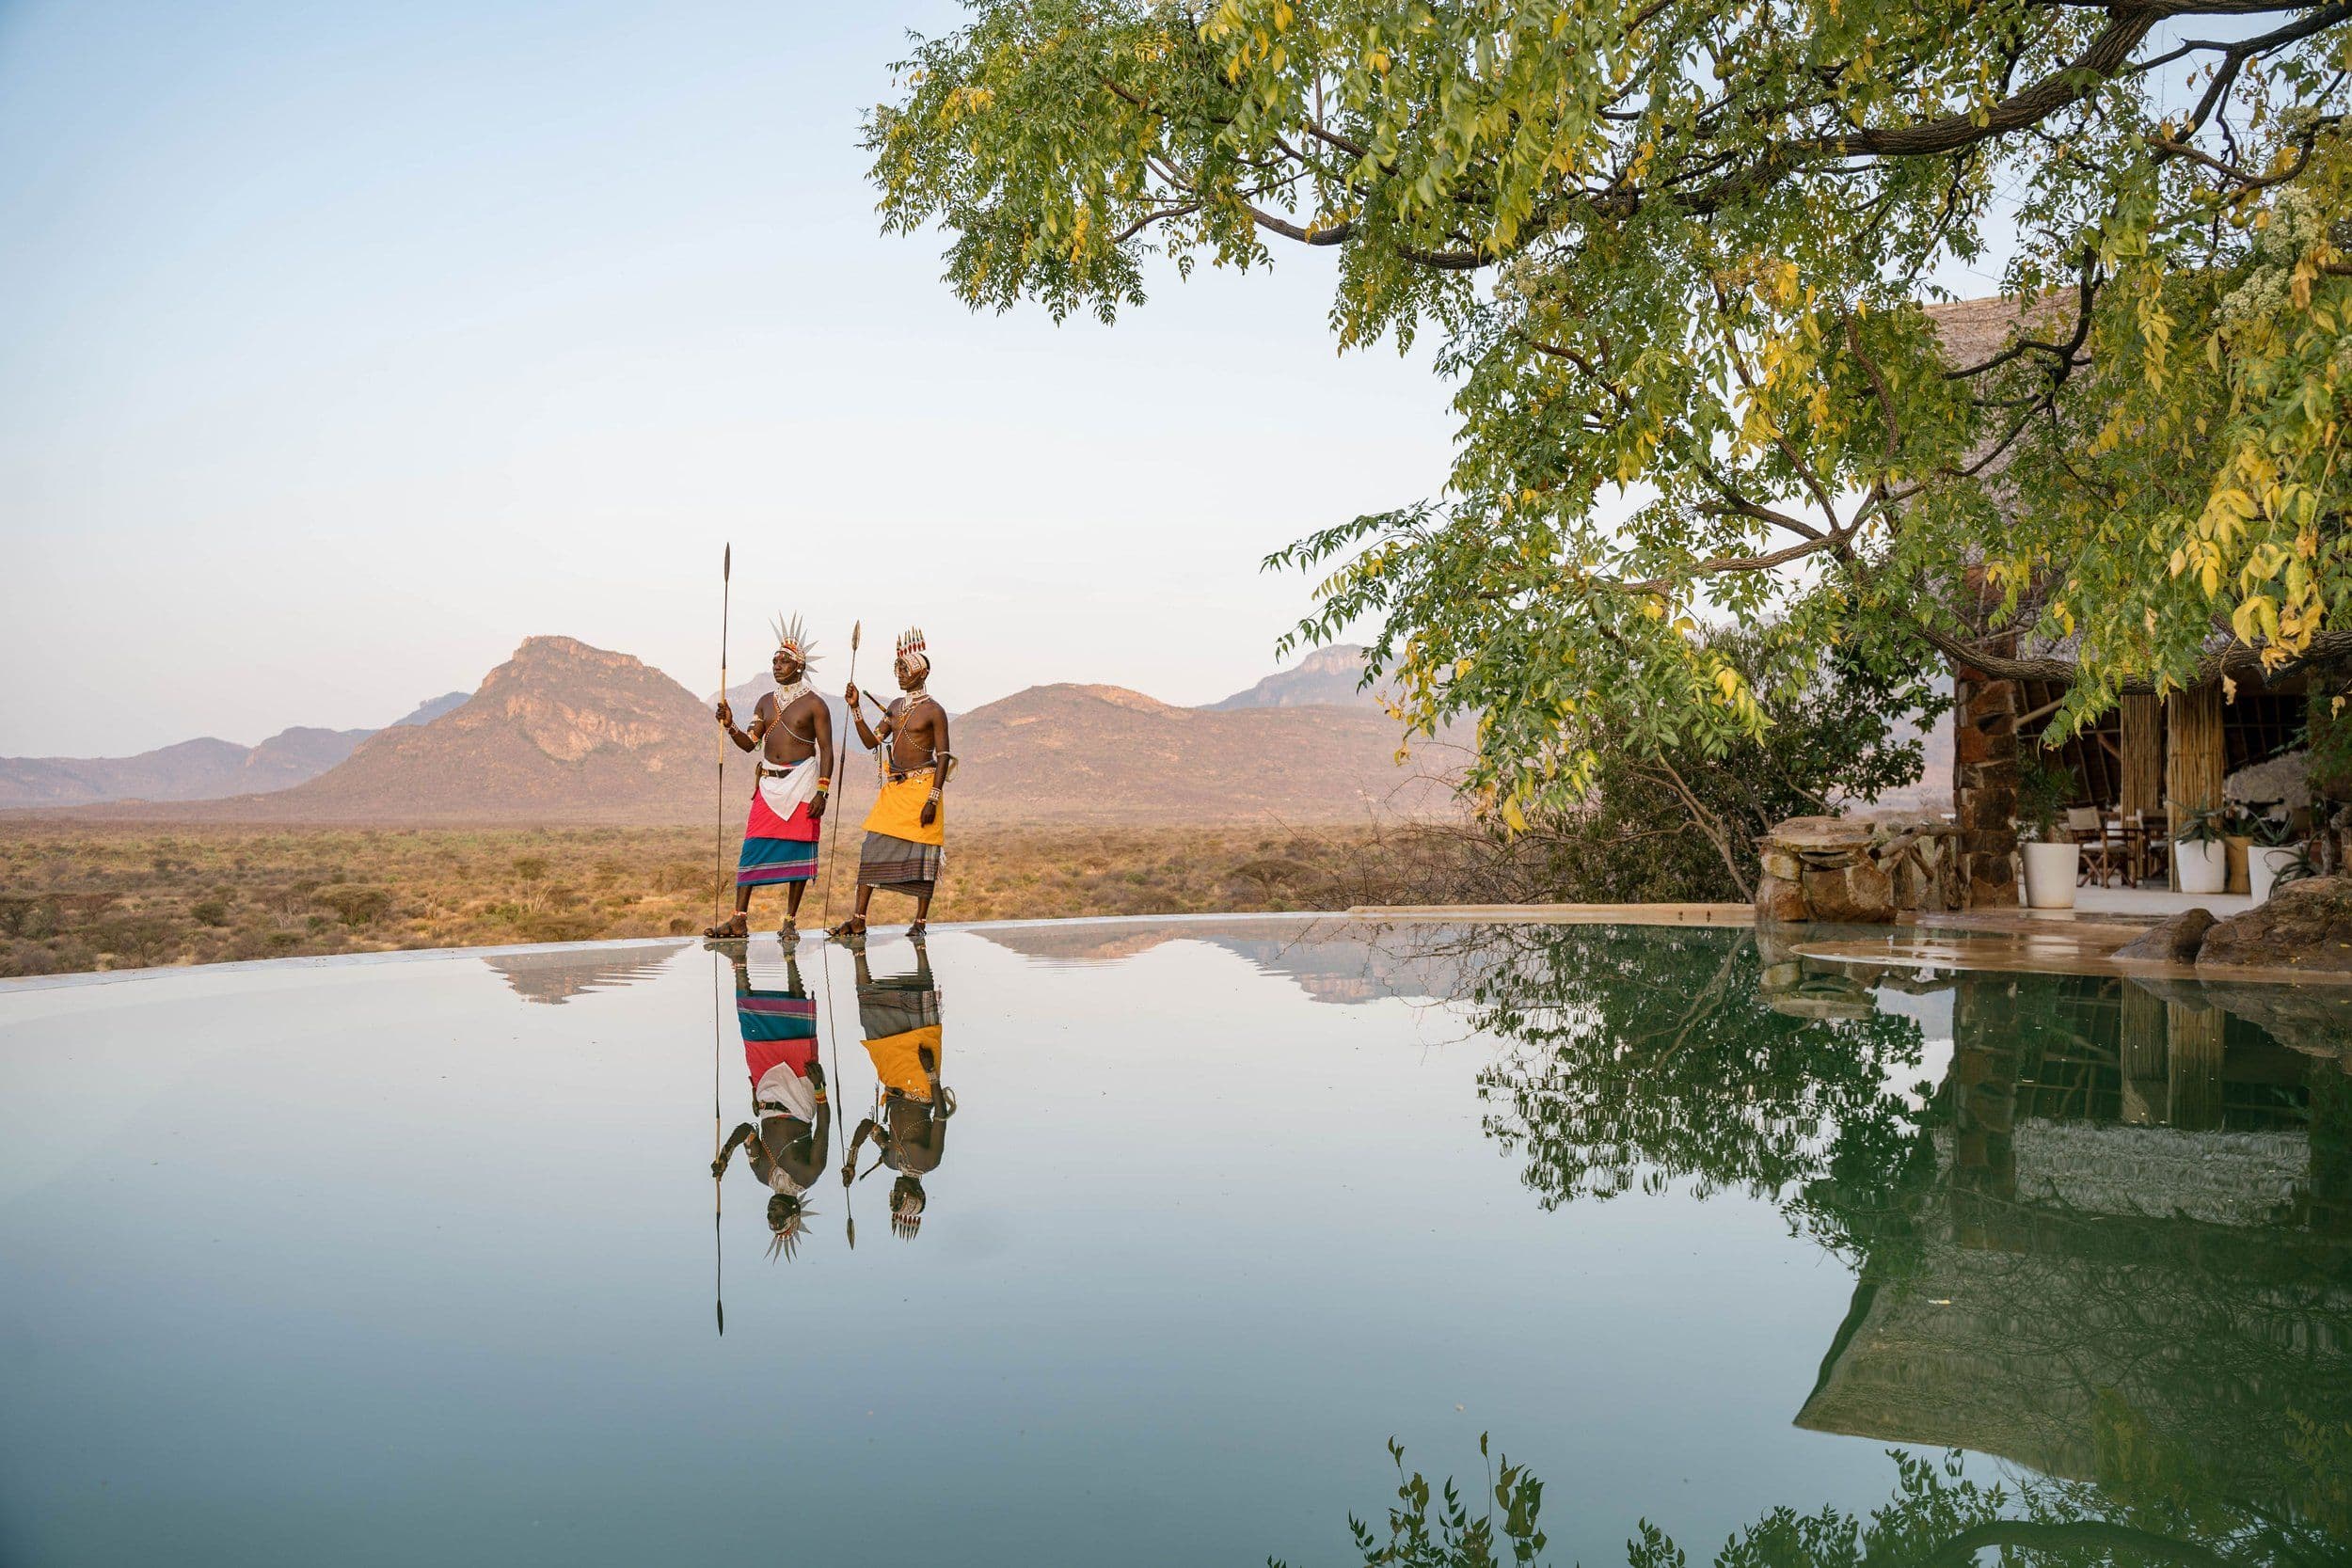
(899, 1015)
(786, 1144)
(1339, 964)
(555, 977)
(2108, 1241)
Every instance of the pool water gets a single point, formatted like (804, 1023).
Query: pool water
(422, 1261)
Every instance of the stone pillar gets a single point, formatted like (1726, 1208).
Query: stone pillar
(1984, 784)
(2142, 719)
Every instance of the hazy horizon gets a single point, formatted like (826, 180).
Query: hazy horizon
(342, 351)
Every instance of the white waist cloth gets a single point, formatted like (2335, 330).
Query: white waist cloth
(782, 1090)
(787, 790)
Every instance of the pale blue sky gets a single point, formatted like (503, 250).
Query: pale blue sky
(342, 347)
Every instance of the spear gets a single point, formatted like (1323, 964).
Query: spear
(718, 1143)
(719, 846)
(833, 845)
(719, 889)
(833, 849)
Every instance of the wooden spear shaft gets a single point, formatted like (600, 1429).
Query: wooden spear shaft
(719, 846)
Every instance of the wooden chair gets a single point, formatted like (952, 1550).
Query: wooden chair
(2102, 851)
(2150, 838)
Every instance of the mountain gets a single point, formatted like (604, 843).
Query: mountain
(1106, 753)
(1327, 676)
(565, 735)
(430, 710)
(200, 769)
(561, 733)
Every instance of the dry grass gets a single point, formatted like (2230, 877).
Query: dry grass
(83, 898)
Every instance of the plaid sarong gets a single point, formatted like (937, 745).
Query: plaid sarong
(894, 863)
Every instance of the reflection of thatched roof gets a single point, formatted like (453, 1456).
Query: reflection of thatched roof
(2006, 1341)
(2240, 1179)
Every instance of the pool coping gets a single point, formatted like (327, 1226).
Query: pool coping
(20, 984)
(2002, 945)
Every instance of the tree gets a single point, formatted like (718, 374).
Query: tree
(1678, 821)
(1680, 253)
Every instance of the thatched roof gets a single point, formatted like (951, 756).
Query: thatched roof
(1974, 330)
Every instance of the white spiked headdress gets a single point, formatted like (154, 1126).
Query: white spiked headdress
(792, 636)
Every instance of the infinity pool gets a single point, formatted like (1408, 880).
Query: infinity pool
(1162, 1232)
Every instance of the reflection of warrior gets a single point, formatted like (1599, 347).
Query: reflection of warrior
(787, 1146)
(906, 833)
(899, 1016)
(793, 730)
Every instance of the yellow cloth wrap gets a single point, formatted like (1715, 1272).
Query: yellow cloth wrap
(896, 1064)
(899, 811)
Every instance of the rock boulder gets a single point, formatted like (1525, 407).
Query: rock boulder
(2174, 940)
(2305, 926)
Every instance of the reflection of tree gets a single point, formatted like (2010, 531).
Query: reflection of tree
(1646, 1056)
(2156, 1509)
(2109, 1245)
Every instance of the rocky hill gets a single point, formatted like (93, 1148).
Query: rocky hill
(1327, 676)
(567, 735)
(561, 733)
(200, 769)
(1106, 753)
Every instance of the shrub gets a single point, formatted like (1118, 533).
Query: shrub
(356, 904)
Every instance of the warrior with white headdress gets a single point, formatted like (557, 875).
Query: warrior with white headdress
(789, 1143)
(906, 833)
(793, 729)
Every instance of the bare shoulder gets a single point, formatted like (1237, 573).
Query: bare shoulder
(766, 706)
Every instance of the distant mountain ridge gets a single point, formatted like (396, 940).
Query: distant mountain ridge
(205, 769)
(1332, 676)
(568, 734)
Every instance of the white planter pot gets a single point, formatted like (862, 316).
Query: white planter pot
(2051, 872)
(2262, 868)
(2204, 868)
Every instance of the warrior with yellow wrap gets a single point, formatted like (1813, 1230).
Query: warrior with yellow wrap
(906, 833)
(899, 1015)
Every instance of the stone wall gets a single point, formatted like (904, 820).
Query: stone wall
(1854, 872)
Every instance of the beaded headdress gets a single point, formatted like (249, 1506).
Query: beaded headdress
(793, 639)
(910, 651)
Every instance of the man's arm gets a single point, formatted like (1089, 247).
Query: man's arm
(719, 1167)
(823, 731)
(940, 757)
(857, 715)
(743, 742)
(849, 1162)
